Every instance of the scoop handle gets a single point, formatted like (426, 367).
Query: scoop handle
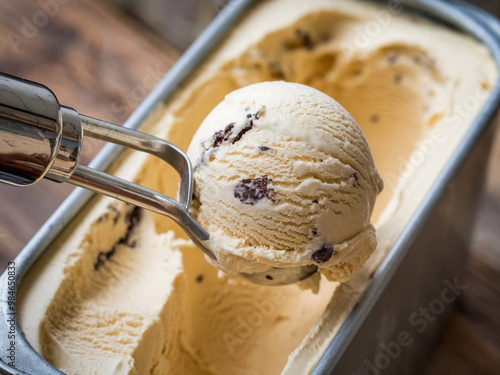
(39, 138)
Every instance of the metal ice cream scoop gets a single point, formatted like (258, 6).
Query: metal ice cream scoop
(39, 138)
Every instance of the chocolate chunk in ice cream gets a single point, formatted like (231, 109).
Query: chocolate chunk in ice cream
(323, 254)
(252, 190)
(132, 218)
(305, 38)
(354, 180)
(222, 135)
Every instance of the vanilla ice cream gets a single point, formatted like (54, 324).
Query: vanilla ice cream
(127, 293)
(284, 177)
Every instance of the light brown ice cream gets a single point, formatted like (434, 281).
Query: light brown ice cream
(153, 304)
(284, 178)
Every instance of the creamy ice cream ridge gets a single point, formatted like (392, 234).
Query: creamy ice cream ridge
(125, 292)
(284, 177)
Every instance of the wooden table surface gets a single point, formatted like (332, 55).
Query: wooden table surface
(100, 61)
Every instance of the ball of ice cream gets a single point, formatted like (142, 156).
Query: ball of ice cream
(284, 177)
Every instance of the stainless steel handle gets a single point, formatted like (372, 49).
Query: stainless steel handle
(40, 138)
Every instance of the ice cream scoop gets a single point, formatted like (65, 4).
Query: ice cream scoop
(39, 138)
(284, 178)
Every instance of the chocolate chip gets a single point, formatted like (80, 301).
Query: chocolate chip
(104, 256)
(269, 277)
(313, 232)
(315, 201)
(241, 133)
(250, 118)
(323, 254)
(276, 69)
(222, 135)
(393, 58)
(354, 179)
(117, 212)
(264, 148)
(132, 218)
(252, 190)
(305, 38)
(199, 278)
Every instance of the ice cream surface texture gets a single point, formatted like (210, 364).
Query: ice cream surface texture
(284, 177)
(120, 292)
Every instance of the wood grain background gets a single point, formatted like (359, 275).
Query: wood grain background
(102, 62)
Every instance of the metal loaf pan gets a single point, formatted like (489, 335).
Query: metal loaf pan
(427, 257)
